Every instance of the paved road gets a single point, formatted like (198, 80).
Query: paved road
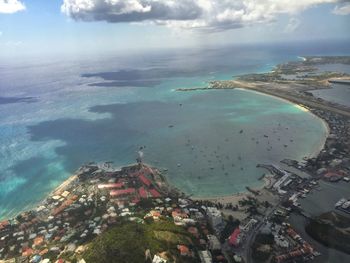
(247, 255)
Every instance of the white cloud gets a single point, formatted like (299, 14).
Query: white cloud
(11, 6)
(342, 9)
(293, 24)
(204, 14)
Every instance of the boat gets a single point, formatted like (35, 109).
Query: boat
(340, 202)
(346, 205)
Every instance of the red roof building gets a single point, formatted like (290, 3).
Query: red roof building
(155, 193)
(145, 180)
(234, 238)
(143, 192)
(178, 213)
(184, 250)
(292, 233)
(64, 205)
(122, 192)
(4, 224)
(136, 200)
(27, 252)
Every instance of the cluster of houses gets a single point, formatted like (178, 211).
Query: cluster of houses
(333, 162)
(82, 208)
(97, 196)
(93, 200)
(295, 247)
(288, 246)
(202, 222)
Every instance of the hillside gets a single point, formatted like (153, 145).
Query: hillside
(129, 242)
(331, 229)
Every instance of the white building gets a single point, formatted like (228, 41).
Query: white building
(205, 256)
(214, 216)
(214, 243)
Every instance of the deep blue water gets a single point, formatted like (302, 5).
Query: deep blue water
(57, 114)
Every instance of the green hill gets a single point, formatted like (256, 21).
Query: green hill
(331, 229)
(129, 241)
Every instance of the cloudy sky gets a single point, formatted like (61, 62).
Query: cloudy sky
(55, 26)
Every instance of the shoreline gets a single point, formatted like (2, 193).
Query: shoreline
(231, 198)
(241, 85)
(304, 108)
(235, 197)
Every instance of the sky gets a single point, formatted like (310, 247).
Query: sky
(37, 27)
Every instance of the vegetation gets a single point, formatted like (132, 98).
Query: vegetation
(262, 247)
(230, 226)
(128, 242)
(332, 230)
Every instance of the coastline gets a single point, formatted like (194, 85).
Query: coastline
(241, 85)
(231, 198)
(56, 191)
(64, 184)
(236, 197)
(317, 150)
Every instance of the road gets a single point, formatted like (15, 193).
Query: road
(247, 254)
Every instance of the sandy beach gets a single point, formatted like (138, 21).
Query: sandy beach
(241, 214)
(59, 189)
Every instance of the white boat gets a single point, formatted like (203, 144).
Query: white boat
(340, 202)
(346, 205)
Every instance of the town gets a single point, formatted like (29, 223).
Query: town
(99, 197)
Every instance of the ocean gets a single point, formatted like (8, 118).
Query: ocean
(56, 114)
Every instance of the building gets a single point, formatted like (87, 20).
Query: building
(280, 182)
(214, 216)
(214, 243)
(122, 192)
(235, 238)
(205, 256)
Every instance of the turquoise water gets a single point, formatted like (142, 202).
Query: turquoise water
(71, 120)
